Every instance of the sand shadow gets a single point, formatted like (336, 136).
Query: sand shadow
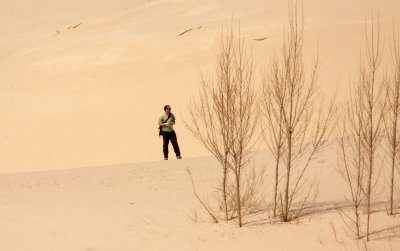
(264, 216)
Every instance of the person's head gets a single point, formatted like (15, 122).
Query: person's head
(167, 109)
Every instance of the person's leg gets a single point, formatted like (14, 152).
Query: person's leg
(166, 137)
(174, 142)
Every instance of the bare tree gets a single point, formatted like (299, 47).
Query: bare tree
(224, 116)
(361, 134)
(351, 164)
(373, 102)
(298, 128)
(209, 115)
(392, 119)
(243, 109)
(272, 112)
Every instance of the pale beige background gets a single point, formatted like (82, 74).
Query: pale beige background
(92, 95)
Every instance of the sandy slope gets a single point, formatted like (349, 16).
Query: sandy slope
(132, 207)
(150, 206)
(91, 95)
(82, 84)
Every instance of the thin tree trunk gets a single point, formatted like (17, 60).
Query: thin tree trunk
(358, 223)
(371, 165)
(395, 109)
(276, 184)
(370, 153)
(239, 206)
(278, 159)
(224, 181)
(289, 162)
(394, 146)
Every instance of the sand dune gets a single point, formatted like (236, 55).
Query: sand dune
(150, 206)
(82, 84)
(92, 95)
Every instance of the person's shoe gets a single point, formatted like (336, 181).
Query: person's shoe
(165, 158)
(178, 157)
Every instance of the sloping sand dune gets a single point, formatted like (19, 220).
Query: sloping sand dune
(91, 95)
(137, 207)
(150, 206)
(82, 84)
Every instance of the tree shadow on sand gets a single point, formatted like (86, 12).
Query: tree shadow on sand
(262, 216)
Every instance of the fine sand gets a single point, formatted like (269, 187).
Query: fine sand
(151, 206)
(82, 84)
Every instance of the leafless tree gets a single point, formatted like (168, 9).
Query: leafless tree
(351, 164)
(224, 116)
(298, 128)
(210, 120)
(361, 132)
(392, 119)
(373, 103)
(272, 112)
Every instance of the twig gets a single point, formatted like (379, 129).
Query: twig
(185, 31)
(198, 198)
(260, 39)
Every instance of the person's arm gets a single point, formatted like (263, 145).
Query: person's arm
(165, 124)
(172, 120)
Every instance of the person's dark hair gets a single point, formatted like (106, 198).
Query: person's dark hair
(166, 107)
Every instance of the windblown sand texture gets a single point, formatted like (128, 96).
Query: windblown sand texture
(82, 84)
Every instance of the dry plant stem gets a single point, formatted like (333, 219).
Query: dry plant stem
(198, 198)
(372, 92)
(335, 234)
(224, 116)
(360, 134)
(272, 111)
(298, 131)
(243, 105)
(210, 120)
(391, 123)
(251, 195)
(351, 164)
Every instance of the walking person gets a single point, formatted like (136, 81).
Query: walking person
(166, 122)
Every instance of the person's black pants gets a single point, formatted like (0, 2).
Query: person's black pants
(170, 136)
